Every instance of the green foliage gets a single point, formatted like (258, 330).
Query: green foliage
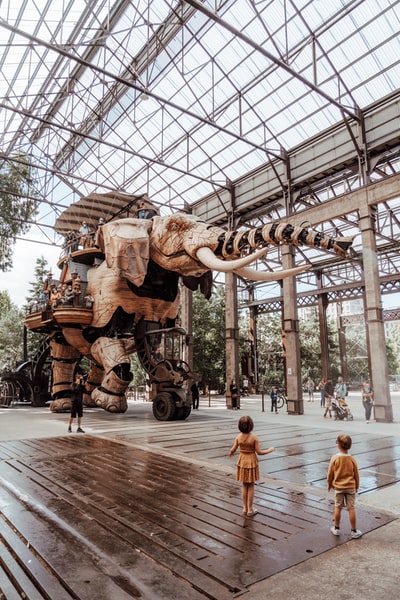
(392, 358)
(393, 348)
(356, 353)
(11, 333)
(209, 345)
(18, 206)
(139, 374)
(37, 285)
(209, 339)
(270, 349)
(34, 340)
(310, 346)
(5, 303)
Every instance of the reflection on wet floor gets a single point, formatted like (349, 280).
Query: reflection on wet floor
(142, 508)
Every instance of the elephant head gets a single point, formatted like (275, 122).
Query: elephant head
(186, 245)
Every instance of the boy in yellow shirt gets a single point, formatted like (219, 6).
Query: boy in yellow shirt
(344, 478)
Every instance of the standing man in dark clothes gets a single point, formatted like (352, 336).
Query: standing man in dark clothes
(329, 393)
(195, 396)
(77, 403)
(234, 395)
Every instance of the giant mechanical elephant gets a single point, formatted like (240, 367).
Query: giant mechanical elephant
(131, 291)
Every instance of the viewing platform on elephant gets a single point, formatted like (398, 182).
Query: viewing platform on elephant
(73, 315)
(47, 320)
(40, 319)
(85, 256)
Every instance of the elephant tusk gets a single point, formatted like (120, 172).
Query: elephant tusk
(208, 258)
(255, 275)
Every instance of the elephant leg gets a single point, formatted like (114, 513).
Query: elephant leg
(94, 378)
(64, 361)
(111, 395)
(113, 354)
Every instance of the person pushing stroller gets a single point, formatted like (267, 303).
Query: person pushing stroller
(341, 411)
(339, 404)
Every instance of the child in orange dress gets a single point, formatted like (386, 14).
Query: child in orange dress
(247, 465)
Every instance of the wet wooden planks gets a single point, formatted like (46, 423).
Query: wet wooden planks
(112, 520)
(302, 453)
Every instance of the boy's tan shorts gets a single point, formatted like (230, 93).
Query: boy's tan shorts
(345, 498)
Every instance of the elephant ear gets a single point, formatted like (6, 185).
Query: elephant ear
(204, 283)
(125, 244)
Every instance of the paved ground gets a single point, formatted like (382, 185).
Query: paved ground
(198, 545)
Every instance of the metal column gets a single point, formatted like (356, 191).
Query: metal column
(291, 331)
(374, 315)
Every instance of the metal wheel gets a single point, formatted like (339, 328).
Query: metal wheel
(164, 407)
(182, 413)
(281, 400)
(9, 394)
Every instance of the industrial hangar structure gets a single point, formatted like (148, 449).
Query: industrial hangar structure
(240, 112)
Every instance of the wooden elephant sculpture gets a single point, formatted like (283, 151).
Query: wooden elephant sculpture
(125, 299)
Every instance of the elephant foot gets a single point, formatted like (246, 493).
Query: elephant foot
(88, 401)
(109, 402)
(61, 405)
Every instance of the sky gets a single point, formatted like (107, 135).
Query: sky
(16, 282)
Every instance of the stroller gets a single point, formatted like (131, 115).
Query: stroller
(341, 411)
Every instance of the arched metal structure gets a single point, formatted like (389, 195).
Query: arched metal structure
(236, 111)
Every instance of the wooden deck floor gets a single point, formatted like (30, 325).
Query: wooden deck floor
(150, 510)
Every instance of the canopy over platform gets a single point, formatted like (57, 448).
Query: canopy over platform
(109, 206)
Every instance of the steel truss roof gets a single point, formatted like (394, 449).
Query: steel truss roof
(180, 100)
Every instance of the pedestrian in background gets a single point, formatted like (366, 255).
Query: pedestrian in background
(341, 390)
(274, 400)
(234, 390)
(341, 393)
(367, 394)
(195, 396)
(310, 389)
(329, 393)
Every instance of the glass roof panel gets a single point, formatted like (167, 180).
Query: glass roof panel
(173, 98)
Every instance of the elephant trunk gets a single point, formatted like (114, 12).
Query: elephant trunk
(235, 242)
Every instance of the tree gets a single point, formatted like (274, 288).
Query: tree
(209, 339)
(11, 333)
(392, 358)
(270, 355)
(310, 346)
(139, 374)
(41, 272)
(18, 205)
(270, 350)
(393, 349)
(34, 340)
(5, 303)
